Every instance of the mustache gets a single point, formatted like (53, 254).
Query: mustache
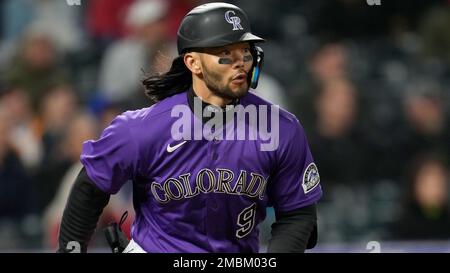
(240, 74)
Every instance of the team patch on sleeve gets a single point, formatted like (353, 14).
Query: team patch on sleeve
(311, 178)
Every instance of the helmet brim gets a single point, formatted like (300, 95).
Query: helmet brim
(249, 37)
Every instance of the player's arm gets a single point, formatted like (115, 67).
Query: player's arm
(294, 231)
(83, 209)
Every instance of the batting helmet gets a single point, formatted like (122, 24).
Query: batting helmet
(212, 25)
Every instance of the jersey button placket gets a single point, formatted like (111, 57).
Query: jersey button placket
(213, 146)
(212, 204)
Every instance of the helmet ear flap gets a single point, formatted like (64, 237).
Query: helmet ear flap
(258, 57)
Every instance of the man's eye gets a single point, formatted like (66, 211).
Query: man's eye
(226, 52)
(247, 50)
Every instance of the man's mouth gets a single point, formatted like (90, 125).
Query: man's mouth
(239, 78)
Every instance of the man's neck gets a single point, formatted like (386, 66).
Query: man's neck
(208, 111)
(203, 92)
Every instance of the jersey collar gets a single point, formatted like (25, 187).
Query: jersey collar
(212, 110)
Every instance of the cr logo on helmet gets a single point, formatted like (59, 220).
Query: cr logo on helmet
(236, 21)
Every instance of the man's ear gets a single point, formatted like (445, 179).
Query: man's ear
(192, 62)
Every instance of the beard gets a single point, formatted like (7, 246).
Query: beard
(213, 82)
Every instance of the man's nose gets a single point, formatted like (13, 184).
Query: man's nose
(238, 59)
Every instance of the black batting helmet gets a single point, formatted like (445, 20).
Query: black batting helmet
(212, 25)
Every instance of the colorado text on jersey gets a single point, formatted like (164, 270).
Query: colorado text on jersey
(219, 182)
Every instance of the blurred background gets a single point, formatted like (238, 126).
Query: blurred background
(370, 84)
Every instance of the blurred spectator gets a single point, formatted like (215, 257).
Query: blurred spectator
(426, 117)
(15, 17)
(105, 19)
(60, 22)
(13, 177)
(334, 140)
(425, 214)
(434, 31)
(104, 23)
(24, 135)
(17, 195)
(328, 62)
(146, 48)
(178, 9)
(58, 108)
(35, 68)
(384, 135)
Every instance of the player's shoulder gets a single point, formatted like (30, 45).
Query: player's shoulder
(290, 130)
(286, 118)
(155, 113)
(149, 125)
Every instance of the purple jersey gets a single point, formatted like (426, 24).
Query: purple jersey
(201, 195)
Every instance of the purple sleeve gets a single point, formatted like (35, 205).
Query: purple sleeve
(296, 181)
(111, 160)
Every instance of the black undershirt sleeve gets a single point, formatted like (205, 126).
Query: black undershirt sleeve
(83, 209)
(294, 231)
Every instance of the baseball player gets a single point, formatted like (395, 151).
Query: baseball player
(208, 193)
